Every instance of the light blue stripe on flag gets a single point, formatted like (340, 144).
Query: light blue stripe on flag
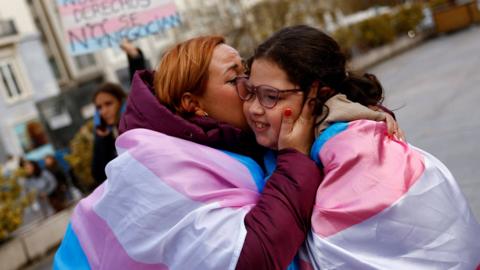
(326, 135)
(255, 169)
(270, 161)
(70, 254)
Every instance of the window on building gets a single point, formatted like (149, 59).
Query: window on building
(85, 61)
(54, 66)
(10, 81)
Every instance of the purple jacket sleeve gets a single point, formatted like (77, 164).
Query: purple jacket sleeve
(277, 226)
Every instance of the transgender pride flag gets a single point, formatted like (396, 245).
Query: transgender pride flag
(386, 205)
(173, 204)
(167, 204)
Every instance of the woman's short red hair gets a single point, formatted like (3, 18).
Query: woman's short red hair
(184, 68)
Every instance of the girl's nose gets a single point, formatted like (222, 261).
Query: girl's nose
(255, 106)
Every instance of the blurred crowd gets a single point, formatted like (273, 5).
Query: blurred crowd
(55, 182)
(52, 185)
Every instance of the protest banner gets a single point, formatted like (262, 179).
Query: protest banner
(91, 25)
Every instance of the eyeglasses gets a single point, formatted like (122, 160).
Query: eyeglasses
(267, 95)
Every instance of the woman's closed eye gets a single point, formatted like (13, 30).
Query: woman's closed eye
(232, 81)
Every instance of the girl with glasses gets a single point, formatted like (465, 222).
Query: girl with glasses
(383, 204)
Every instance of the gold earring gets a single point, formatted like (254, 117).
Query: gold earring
(200, 112)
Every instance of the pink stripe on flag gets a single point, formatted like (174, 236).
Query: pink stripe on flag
(199, 172)
(116, 24)
(114, 6)
(100, 245)
(365, 173)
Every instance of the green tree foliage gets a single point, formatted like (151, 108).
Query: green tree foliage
(376, 31)
(407, 18)
(346, 38)
(80, 157)
(352, 6)
(12, 202)
(266, 17)
(379, 30)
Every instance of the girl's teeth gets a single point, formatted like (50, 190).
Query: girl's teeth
(259, 125)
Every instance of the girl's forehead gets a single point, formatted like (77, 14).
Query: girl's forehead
(269, 73)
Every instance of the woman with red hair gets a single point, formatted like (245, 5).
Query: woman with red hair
(188, 145)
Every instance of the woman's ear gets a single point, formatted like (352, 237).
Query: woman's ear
(191, 104)
(188, 102)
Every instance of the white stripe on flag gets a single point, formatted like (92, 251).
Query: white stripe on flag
(156, 224)
(431, 227)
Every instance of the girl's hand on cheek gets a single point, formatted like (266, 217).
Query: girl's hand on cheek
(298, 133)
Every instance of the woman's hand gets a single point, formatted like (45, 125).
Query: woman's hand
(129, 48)
(298, 133)
(102, 132)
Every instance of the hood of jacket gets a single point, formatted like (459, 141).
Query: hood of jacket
(143, 110)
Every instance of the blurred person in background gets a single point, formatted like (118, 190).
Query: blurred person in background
(136, 60)
(42, 182)
(109, 101)
(36, 134)
(10, 165)
(58, 198)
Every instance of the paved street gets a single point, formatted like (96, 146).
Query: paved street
(43, 264)
(436, 91)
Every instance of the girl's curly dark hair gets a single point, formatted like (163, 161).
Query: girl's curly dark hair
(306, 54)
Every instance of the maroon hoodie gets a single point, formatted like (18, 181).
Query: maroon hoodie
(278, 224)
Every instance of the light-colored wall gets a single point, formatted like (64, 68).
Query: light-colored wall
(33, 71)
(22, 111)
(3, 152)
(19, 12)
(37, 70)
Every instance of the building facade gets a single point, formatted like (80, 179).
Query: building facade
(25, 79)
(55, 87)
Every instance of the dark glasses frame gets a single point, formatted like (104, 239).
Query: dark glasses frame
(247, 92)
